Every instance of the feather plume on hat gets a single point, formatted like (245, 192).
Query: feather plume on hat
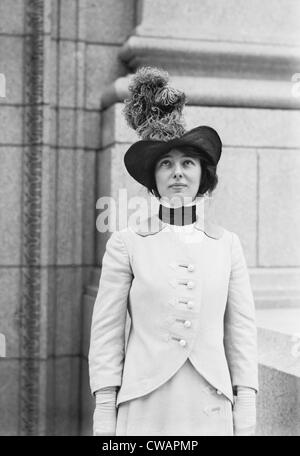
(154, 109)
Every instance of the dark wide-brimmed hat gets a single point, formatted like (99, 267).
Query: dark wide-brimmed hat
(154, 110)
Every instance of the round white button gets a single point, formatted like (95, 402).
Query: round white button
(190, 304)
(182, 342)
(187, 324)
(191, 267)
(219, 392)
(190, 284)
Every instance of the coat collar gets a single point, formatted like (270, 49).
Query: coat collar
(153, 225)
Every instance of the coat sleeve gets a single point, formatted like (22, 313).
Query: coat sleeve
(107, 340)
(240, 333)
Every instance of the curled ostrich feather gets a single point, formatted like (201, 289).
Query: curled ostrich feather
(154, 109)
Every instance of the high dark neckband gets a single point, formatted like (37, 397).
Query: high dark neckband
(183, 215)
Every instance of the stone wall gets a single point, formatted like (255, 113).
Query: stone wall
(57, 57)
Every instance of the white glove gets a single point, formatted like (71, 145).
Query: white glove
(105, 414)
(244, 411)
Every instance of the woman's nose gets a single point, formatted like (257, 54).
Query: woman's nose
(177, 170)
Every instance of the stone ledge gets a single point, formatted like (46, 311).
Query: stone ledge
(276, 288)
(278, 412)
(279, 339)
(219, 91)
(205, 57)
(236, 126)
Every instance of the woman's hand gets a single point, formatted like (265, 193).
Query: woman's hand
(244, 412)
(105, 414)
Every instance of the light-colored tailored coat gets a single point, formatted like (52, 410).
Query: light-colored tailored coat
(185, 300)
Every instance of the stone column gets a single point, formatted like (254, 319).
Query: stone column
(51, 231)
(235, 61)
(42, 174)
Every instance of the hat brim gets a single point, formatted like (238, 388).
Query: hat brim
(142, 155)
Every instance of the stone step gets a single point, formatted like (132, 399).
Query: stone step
(278, 405)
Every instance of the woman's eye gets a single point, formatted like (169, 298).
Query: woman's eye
(164, 162)
(189, 161)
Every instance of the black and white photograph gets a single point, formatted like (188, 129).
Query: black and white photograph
(150, 220)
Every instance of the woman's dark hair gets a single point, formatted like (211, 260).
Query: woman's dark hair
(209, 178)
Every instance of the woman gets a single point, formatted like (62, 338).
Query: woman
(190, 364)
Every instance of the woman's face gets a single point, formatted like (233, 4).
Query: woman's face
(178, 176)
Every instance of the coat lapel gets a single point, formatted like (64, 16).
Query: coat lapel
(153, 225)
